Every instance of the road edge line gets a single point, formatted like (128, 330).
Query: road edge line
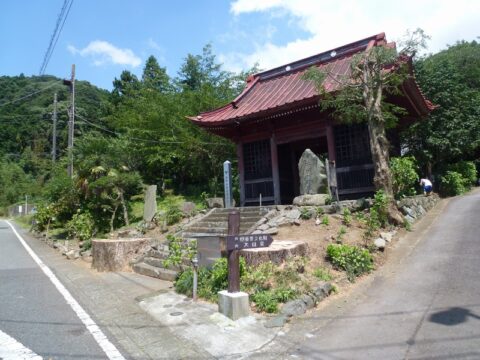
(108, 348)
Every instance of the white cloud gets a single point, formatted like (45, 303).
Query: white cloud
(330, 24)
(103, 52)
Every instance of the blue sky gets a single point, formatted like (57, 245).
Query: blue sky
(104, 37)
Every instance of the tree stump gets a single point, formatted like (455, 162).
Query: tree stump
(278, 252)
(117, 254)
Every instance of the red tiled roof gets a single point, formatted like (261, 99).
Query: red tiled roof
(284, 86)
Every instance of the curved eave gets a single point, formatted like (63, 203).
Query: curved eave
(259, 115)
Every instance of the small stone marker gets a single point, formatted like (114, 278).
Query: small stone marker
(313, 175)
(150, 206)
(188, 208)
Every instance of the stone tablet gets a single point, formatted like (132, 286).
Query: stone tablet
(150, 206)
(313, 175)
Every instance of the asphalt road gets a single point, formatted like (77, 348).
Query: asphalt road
(427, 307)
(34, 312)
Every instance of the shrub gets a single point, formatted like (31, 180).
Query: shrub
(173, 215)
(178, 250)
(81, 226)
(347, 216)
(266, 301)
(305, 213)
(341, 232)
(404, 174)
(325, 220)
(468, 171)
(379, 209)
(453, 183)
(319, 211)
(43, 217)
(354, 260)
(322, 274)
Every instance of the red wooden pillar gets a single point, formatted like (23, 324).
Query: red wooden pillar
(241, 172)
(275, 171)
(330, 142)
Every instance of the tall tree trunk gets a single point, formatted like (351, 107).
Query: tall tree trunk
(112, 219)
(380, 146)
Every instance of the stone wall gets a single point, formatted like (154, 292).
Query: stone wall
(415, 207)
(117, 254)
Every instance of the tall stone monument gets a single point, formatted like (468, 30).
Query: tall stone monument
(313, 174)
(150, 206)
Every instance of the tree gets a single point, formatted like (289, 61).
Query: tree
(127, 85)
(155, 77)
(451, 80)
(374, 74)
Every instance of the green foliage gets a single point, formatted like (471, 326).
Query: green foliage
(81, 226)
(322, 274)
(379, 209)
(43, 217)
(347, 216)
(268, 300)
(319, 211)
(305, 213)
(179, 251)
(173, 215)
(268, 284)
(354, 260)
(404, 175)
(450, 79)
(341, 233)
(453, 183)
(325, 220)
(467, 169)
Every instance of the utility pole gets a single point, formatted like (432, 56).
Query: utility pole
(71, 122)
(54, 135)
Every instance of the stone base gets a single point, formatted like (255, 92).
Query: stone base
(233, 305)
(311, 200)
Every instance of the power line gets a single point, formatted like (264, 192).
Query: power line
(140, 139)
(28, 95)
(62, 17)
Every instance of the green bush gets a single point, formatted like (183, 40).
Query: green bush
(347, 216)
(43, 217)
(173, 215)
(404, 174)
(468, 171)
(354, 260)
(81, 226)
(322, 274)
(305, 213)
(267, 283)
(379, 209)
(178, 251)
(325, 220)
(453, 183)
(268, 300)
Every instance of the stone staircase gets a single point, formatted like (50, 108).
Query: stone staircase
(215, 223)
(152, 264)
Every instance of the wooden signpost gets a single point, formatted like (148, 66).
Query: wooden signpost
(236, 242)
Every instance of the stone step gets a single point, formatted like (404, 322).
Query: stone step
(221, 225)
(157, 254)
(224, 218)
(159, 263)
(215, 230)
(244, 210)
(152, 271)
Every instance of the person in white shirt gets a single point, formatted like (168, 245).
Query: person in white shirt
(427, 186)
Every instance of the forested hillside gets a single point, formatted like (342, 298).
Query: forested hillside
(140, 125)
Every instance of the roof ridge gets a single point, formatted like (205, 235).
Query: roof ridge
(322, 57)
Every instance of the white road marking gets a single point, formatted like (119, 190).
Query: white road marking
(11, 349)
(109, 349)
